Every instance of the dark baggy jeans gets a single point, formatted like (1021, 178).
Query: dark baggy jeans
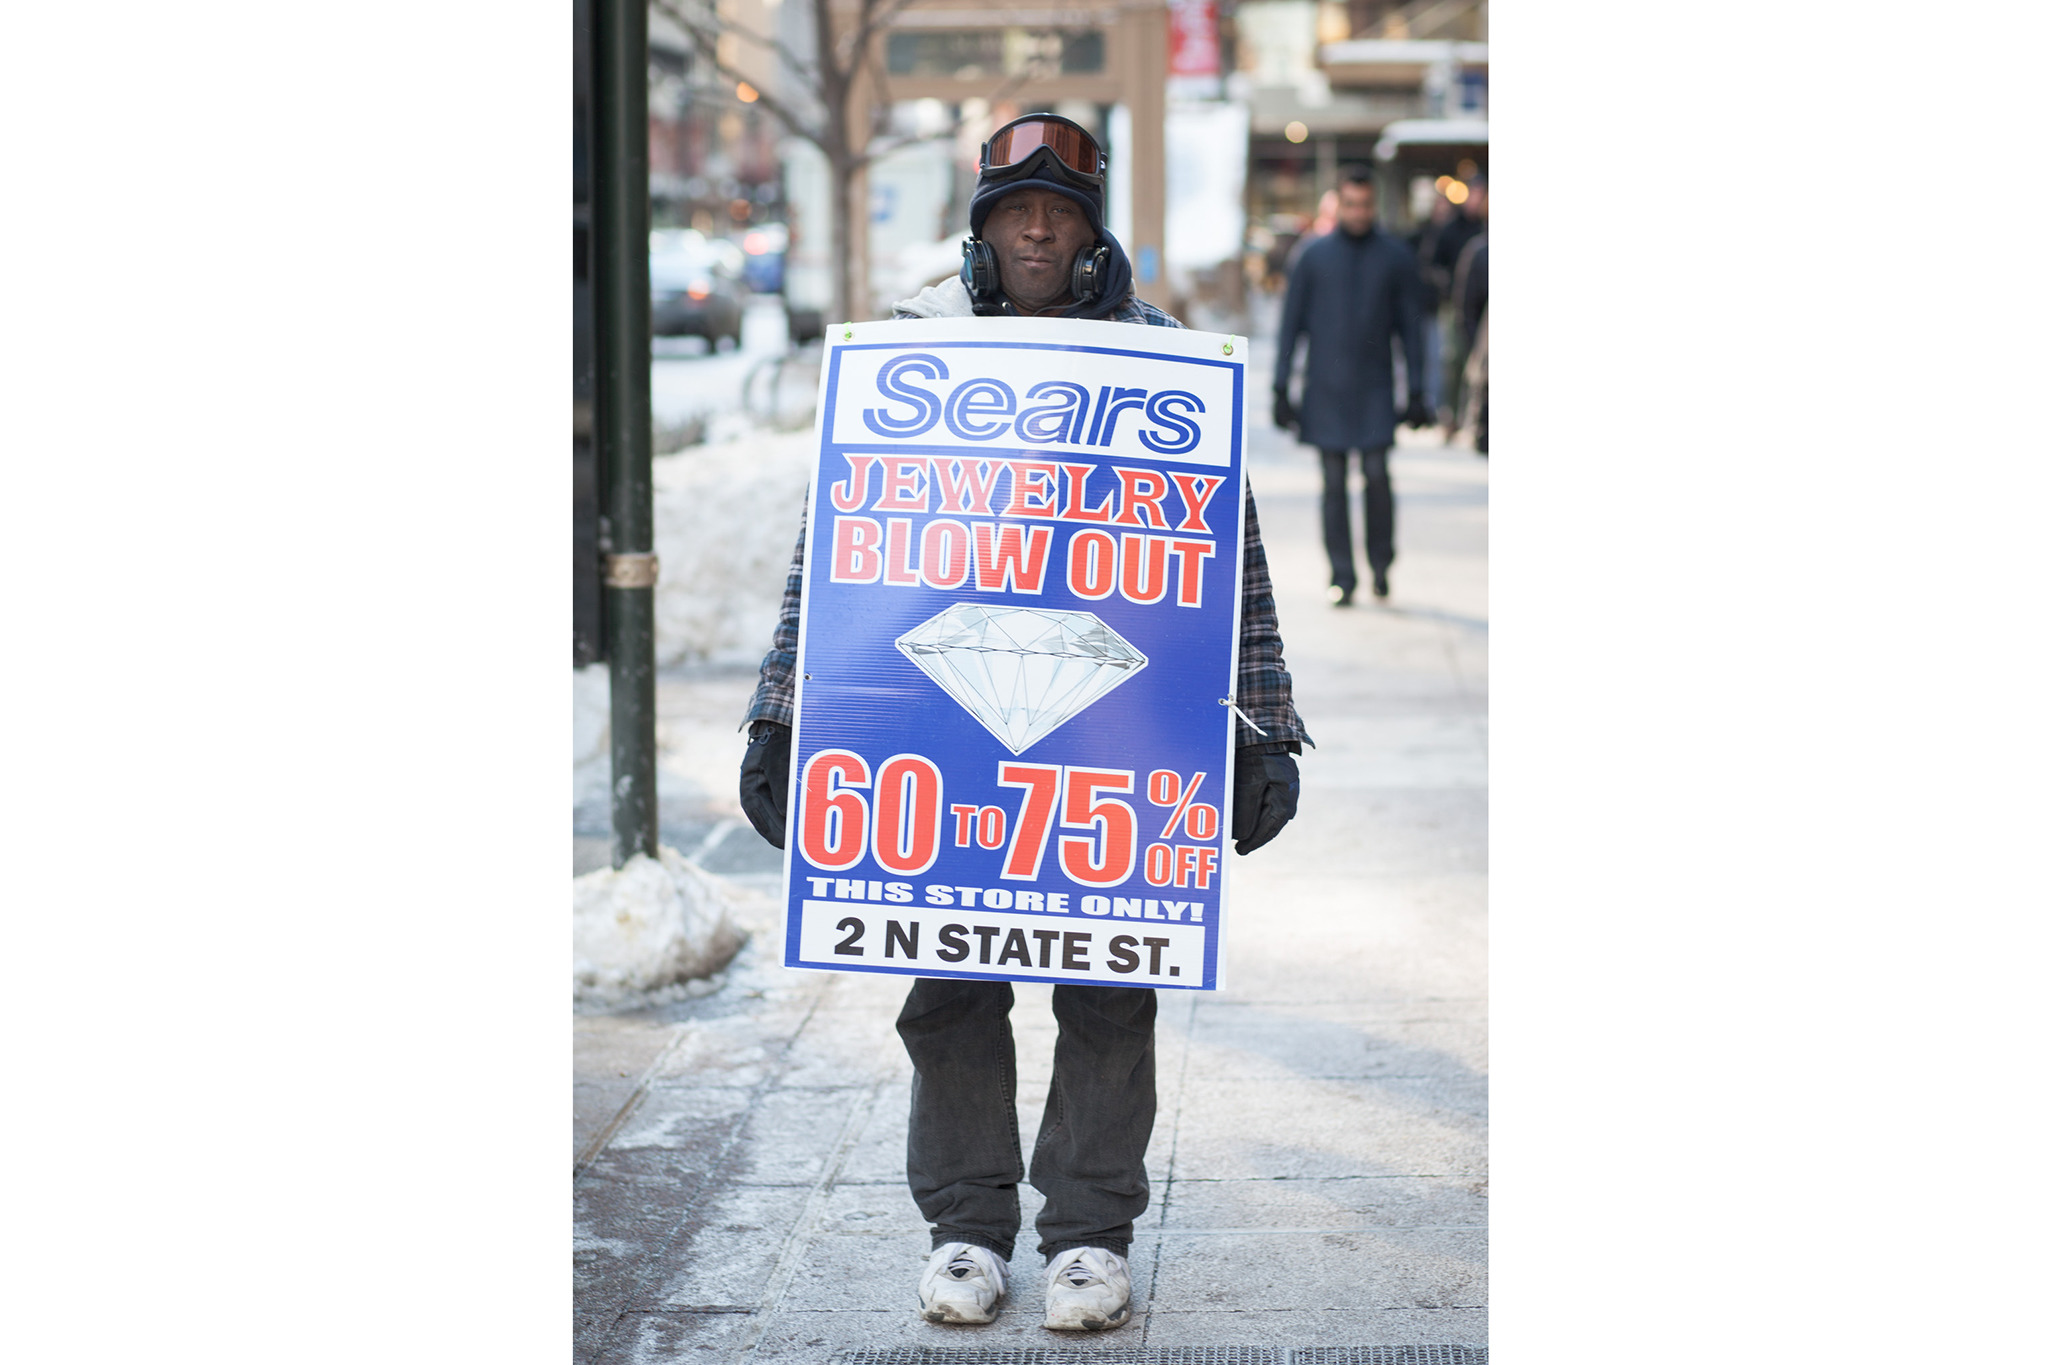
(965, 1160)
(1379, 514)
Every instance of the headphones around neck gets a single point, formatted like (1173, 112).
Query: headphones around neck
(985, 285)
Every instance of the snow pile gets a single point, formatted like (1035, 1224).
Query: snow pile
(901, 273)
(725, 521)
(643, 929)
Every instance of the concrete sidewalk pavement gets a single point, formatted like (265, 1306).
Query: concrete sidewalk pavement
(1319, 1164)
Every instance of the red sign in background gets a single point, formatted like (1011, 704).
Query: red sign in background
(1191, 46)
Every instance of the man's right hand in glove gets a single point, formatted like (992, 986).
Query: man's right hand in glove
(764, 780)
(1284, 416)
(1268, 788)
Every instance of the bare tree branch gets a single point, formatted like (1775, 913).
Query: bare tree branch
(1035, 69)
(789, 118)
(874, 16)
(845, 53)
(775, 105)
(829, 80)
(834, 82)
(706, 41)
(876, 153)
(696, 26)
(829, 66)
(878, 78)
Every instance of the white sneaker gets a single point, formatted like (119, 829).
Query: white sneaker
(1087, 1289)
(962, 1283)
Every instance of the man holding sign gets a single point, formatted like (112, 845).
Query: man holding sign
(1030, 652)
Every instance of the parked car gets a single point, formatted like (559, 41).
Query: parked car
(764, 247)
(695, 289)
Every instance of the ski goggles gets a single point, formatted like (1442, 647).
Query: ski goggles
(1038, 143)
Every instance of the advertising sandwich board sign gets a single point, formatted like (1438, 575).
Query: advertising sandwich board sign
(1014, 734)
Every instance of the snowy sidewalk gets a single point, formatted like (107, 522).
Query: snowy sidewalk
(1319, 1164)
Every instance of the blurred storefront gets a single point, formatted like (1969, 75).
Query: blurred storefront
(1227, 122)
(1326, 82)
(712, 152)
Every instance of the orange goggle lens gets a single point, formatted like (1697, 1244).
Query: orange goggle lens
(1072, 146)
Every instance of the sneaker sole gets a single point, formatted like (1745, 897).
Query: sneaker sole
(1092, 1324)
(940, 1313)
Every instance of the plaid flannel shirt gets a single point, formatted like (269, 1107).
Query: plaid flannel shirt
(1265, 691)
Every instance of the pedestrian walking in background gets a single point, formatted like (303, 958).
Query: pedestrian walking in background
(1436, 290)
(1446, 250)
(1468, 293)
(1040, 249)
(1351, 293)
(1322, 225)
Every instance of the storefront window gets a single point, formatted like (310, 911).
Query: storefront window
(977, 53)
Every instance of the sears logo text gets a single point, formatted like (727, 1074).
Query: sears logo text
(918, 393)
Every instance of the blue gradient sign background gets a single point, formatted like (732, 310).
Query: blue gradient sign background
(1055, 465)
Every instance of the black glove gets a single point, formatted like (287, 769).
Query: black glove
(1284, 416)
(1267, 790)
(764, 780)
(1418, 415)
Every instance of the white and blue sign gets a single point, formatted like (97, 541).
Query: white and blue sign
(1013, 746)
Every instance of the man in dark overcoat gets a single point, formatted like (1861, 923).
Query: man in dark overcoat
(1350, 294)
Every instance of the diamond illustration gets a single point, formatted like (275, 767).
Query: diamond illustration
(1021, 671)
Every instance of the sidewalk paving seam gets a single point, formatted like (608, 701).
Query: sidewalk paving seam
(766, 1084)
(602, 1138)
(796, 1246)
(1180, 1092)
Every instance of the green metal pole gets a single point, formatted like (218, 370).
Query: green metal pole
(619, 214)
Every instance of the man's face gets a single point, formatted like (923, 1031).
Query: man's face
(1354, 208)
(1036, 234)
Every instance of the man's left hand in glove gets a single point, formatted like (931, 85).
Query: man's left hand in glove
(764, 780)
(1264, 797)
(1418, 414)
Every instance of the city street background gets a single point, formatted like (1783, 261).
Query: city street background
(1762, 729)
(1319, 1164)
